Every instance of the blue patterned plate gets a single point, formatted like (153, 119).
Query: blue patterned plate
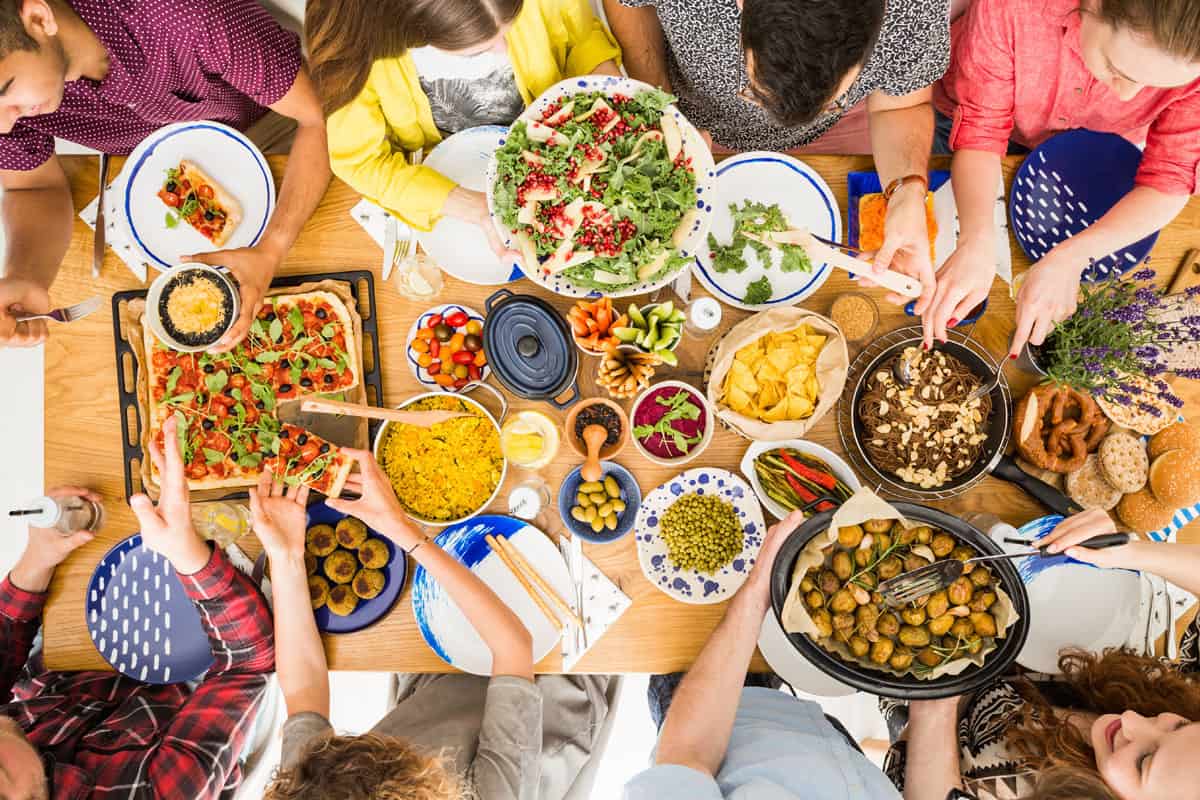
(367, 612)
(411, 355)
(690, 586)
(140, 618)
(444, 626)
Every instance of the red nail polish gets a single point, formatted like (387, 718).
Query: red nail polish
(924, 346)
(1012, 356)
(952, 322)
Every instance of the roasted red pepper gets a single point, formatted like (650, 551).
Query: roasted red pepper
(804, 471)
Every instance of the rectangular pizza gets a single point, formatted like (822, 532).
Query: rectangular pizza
(200, 201)
(226, 403)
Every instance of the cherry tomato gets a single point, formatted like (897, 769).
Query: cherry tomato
(434, 321)
(435, 348)
(480, 359)
(444, 380)
(464, 357)
(475, 373)
(475, 327)
(424, 359)
(205, 192)
(457, 319)
(434, 368)
(196, 471)
(460, 383)
(170, 198)
(420, 346)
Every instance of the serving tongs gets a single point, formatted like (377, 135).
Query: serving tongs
(911, 586)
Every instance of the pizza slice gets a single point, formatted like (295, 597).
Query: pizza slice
(197, 199)
(301, 457)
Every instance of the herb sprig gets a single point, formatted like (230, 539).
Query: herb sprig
(679, 407)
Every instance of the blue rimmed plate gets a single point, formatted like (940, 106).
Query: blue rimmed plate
(690, 586)
(140, 618)
(1067, 183)
(444, 626)
(225, 154)
(411, 355)
(367, 612)
(804, 198)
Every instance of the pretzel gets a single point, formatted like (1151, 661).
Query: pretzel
(1058, 426)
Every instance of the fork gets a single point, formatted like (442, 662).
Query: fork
(67, 314)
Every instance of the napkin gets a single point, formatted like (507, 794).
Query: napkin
(603, 604)
(1163, 603)
(373, 220)
(945, 211)
(116, 236)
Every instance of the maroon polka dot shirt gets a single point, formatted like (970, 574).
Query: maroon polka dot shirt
(169, 61)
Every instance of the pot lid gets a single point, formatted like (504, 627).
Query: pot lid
(528, 346)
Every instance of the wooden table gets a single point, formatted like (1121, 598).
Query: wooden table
(658, 634)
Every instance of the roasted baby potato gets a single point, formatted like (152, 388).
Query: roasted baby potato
(814, 600)
(882, 650)
(913, 561)
(890, 567)
(984, 623)
(942, 545)
(828, 582)
(843, 564)
(877, 525)
(962, 628)
(888, 624)
(850, 536)
(859, 646)
(929, 657)
(913, 616)
(981, 576)
(960, 592)
(940, 625)
(901, 659)
(924, 534)
(823, 621)
(938, 604)
(862, 558)
(842, 602)
(914, 636)
(982, 600)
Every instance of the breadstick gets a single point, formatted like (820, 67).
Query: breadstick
(539, 581)
(537, 598)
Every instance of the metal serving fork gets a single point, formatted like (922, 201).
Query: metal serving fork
(904, 589)
(68, 314)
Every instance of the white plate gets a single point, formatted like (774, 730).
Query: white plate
(840, 468)
(693, 146)
(804, 198)
(444, 626)
(1072, 604)
(417, 370)
(796, 670)
(690, 586)
(224, 153)
(458, 247)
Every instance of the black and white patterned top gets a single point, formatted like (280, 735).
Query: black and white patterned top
(707, 68)
(989, 770)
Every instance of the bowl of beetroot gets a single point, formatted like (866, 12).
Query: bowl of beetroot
(672, 423)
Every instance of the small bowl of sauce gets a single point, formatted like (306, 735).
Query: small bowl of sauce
(190, 308)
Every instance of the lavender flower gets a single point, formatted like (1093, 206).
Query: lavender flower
(1192, 292)
(1123, 399)
(1148, 353)
(1144, 275)
(1173, 399)
(1153, 411)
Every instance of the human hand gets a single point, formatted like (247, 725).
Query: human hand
(278, 514)
(1048, 295)
(963, 283)
(1068, 534)
(905, 247)
(472, 207)
(167, 529)
(777, 534)
(18, 295)
(377, 505)
(253, 267)
(47, 547)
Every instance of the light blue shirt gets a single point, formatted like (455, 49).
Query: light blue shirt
(781, 749)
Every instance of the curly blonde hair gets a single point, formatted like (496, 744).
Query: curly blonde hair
(367, 767)
(1111, 683)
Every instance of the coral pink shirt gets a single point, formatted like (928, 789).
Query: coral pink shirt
(1016, 71)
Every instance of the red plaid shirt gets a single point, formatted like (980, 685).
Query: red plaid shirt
(103, 735)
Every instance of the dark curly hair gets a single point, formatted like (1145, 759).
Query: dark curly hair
(13, 35)
(367, 767)
(802, 49)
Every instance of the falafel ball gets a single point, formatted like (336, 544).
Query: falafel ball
(340, 566)
(374, 553)
(368, 583)
(351, 533)
(342, 600)
(320, 540)
(318, 591)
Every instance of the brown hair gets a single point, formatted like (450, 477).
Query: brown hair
(1173, 25)
(1111, 683)
(367, 767)
(345, 37)
(13, 35)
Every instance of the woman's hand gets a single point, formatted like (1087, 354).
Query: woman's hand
(472, 207)
(279, 516)
(377, 506)
(1048, 296)
(167, 529)
(963, 282)
(1066, 537)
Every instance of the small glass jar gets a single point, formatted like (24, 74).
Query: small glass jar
(221, 521)
(418, 278)
(67, 515)
(703, 316)
(856, 316)
(529, 499)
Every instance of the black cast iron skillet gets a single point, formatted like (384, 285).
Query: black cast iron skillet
(884, 683)
(992, 460)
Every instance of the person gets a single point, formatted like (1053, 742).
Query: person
(75, 735)
(1025, 70)
(449, 736)
(1114, 726)
(396, 77)
(778, 75)
(721, 740)
(106, 74)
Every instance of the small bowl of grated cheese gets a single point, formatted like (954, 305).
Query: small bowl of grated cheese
(191, 307)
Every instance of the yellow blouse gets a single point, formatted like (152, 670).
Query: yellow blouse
(371, 137)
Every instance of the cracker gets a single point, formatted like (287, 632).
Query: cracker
(1123, 462)
(1087, 486)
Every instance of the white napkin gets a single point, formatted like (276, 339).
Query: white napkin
(945, 211)
(373, 220)
(1156, 594)
(115, 234)
(603, 604)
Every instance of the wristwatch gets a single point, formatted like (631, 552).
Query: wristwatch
(895, 185)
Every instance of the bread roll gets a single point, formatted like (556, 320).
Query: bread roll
(1180, 436)
(1142, 513)
(1175, 478)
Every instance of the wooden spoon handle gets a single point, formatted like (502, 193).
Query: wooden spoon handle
(425, 419)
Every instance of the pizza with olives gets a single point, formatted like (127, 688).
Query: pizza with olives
(298, 345)
(193, 197)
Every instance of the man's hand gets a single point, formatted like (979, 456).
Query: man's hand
(759, 581)
(377, 506)
(278, 514)
(906, 243)
(1048, 295)
(253, 267)
(47, 547)
(19, 295)
(963, 282)
(168, 529)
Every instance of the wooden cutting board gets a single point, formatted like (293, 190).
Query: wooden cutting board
(1187, 274)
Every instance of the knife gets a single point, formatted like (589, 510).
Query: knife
(98, 238)
(390, 233)
(577, 572)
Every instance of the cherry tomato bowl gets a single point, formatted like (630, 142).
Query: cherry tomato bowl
(444, 348)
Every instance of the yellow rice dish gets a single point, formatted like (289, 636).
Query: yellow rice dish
(445, 472)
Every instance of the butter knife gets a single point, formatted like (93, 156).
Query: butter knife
(98, 238)
(577, 573)
(390, 234)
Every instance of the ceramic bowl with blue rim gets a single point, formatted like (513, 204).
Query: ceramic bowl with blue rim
(692, 586)
(412, 356)
(631, 495)
(140, 618)
(694, 147)
(1065, 185)
(443, 625)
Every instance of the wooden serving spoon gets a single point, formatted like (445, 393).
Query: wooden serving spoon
(593, 437)
(422, 419)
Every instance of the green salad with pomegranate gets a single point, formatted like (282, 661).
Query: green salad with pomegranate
(598, 189)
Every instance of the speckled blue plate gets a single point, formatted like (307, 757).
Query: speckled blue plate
(690, 586)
